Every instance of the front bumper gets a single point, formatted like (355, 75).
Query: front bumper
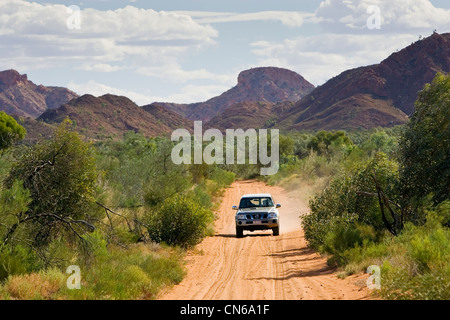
(257, 224)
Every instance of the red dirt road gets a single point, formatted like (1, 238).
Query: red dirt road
(261, 266)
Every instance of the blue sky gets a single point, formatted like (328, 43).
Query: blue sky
(190, 51)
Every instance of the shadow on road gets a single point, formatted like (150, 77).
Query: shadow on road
(232, 235)
(299, 257)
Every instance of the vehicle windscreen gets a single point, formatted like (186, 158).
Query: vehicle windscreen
(255, 202)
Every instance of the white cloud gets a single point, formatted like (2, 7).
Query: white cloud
(321, 57)
(287, 18)
(100, 67)
(347, 42)
(97, 89)
(127, 37)
(396, 15)
(175, 73)
(188, 94)
(162, 45)
(196, 93)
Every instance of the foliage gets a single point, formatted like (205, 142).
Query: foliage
(136, 272)
(139, 171)
(179, 221)
(350, 198)
(60, 177)
(377, 140)
(346, 236)
(50, 197)
(19, 259)
(44, 284)
(424, 153)
(51, 188)
(418, 265)
(411, 182)
(325, 142)
(10, 131)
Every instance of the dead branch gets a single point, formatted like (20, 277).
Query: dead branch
(385, 202)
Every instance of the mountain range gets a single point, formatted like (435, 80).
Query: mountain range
(379, 95)
(109, 116)
(19, 96)
(265, 84)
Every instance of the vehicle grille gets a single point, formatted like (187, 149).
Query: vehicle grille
(257, 216)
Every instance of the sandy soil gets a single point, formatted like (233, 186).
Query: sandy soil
(261, 266)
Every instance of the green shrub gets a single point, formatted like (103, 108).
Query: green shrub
(179, 222)
(128, 274)
(18, 260)
(10, 131)
(396, 284)
(414, 265)
(222, 177)
(350, 195)
(137, 272)
(345, 238)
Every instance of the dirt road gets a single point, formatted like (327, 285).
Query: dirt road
(261, 266)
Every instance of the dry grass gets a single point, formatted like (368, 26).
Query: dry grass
(35, 286)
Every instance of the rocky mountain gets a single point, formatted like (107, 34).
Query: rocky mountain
(110, 116)
(36, 130)
(265, 84)
(371, 96)
(21, 97)
(377, 95)
(249, 114)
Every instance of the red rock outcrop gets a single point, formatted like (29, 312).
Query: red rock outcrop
(21, 97)
(264, 84)
(376, 95)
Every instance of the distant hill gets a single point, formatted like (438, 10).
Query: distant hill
(380, 95)
(249, 114)
(110, 116)
(36, 130)
(21, 97)
(265, 84)
(377, 95)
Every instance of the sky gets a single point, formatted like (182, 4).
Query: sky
(188, 51)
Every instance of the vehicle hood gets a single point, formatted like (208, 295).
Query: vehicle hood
(257, 210)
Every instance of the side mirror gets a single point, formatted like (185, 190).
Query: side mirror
(234, 207)
(278, 205)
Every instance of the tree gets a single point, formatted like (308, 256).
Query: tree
(166, 178)
(60, 175)
(425, 144)
(324, 141)
(380, 141)
(352, 198)
(10, 131)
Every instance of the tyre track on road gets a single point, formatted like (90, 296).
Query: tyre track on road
(261, 266)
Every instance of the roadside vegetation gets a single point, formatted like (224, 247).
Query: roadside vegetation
(125, 214)
(382, 197)
(119, 210)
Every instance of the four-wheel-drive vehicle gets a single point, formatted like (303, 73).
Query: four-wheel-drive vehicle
(257, 212)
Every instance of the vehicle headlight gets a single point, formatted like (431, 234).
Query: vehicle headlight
(240, 216)
(273, 215)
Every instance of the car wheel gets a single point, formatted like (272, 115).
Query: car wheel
(239, 232)
(276, 231)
